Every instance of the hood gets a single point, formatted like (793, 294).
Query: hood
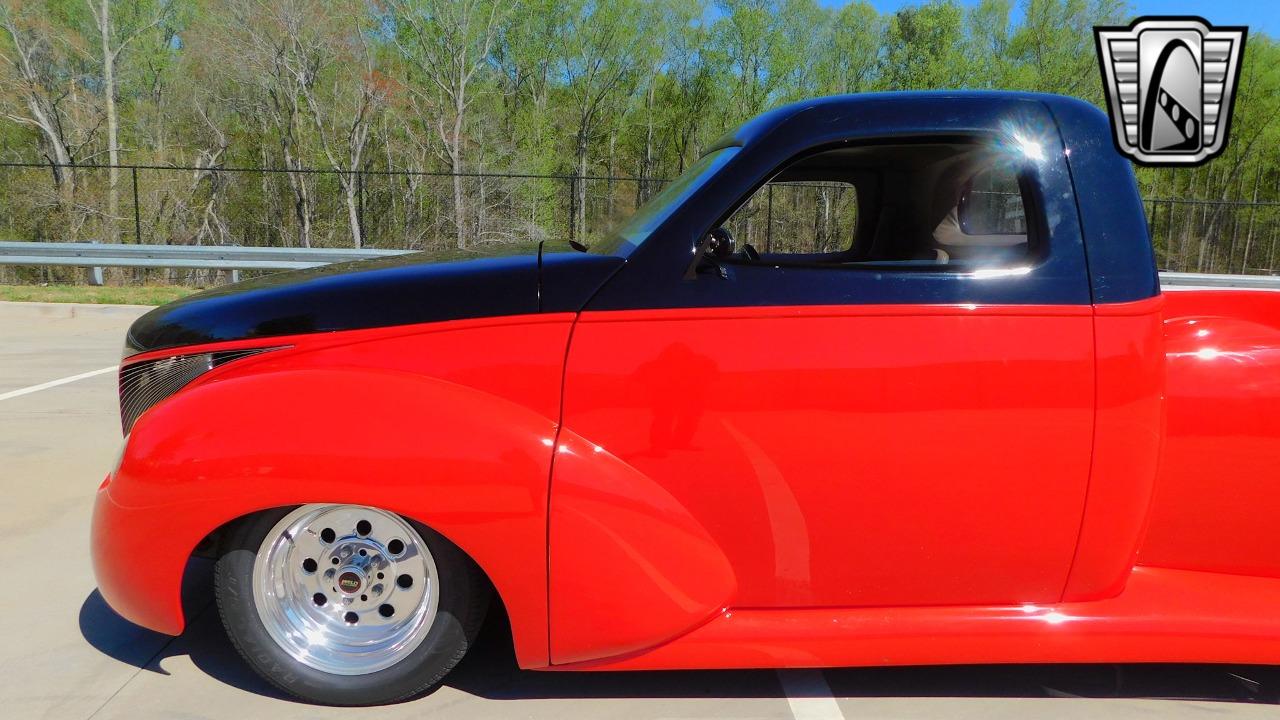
(385, 292)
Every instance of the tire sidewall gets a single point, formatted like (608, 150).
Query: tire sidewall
(457, 618)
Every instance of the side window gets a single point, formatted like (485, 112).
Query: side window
(797, 217)
(943, 206)
(992, 204)
(988, 225)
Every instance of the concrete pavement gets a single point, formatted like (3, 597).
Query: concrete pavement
(65, 654)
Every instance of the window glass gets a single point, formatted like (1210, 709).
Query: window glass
(637, 228)
(992, 204)
(797, 217)
(947, 205)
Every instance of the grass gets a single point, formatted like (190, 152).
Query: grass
(127, 295)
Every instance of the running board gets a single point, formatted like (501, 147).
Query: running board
(1163, 615)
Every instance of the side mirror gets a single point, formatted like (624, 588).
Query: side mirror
(721, 243)
(718, 244)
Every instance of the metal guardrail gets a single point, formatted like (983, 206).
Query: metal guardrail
(210, 257)
(222, 257)
(201, 257)
(1189, 280)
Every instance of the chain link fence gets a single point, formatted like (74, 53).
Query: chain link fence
(307, 207)
(451, 215)
(1215, 236)
(462, 214)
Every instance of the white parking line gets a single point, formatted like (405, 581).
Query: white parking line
(809, 695)
(55, 383)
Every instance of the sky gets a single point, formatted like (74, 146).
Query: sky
(1259, 15)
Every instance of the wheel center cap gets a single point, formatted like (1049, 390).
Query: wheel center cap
(350, 582)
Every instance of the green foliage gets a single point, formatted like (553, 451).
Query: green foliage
(923, 48)
(635, 88)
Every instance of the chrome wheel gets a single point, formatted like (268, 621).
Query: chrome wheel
(345, 589)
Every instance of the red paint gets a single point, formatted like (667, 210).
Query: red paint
(449, 424)
(1217, 499)
(1126, 446)
(1163, 616)
(758, 487)
(613, 528)
(838, 457)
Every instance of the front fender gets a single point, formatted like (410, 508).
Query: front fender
(631, 567)
(470, 464)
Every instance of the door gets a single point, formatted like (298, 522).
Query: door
(818, 454)
(855, 456)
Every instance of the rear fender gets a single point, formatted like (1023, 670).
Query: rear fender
(1217, 498)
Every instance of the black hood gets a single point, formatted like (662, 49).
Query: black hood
(397, 290)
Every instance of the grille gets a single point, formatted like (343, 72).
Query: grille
(146, 383)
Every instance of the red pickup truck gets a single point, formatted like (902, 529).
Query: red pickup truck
(951, 418)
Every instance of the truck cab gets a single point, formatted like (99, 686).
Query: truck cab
(954, 398)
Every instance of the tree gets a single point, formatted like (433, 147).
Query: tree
(923, 48)
(691, 95)
(986, 48)
(1254, 126)
(41, 75)
(852, 41)
(448, 43)
(803, 32)
(114, 35)
(600, 57)
(281, 52)
(1053, 47)
(527, 64)
(344, 105)
(747, 33)
(327, 93)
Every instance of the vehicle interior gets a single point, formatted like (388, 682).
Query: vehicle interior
(940, 206)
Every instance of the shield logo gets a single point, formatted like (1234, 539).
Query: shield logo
(1170, 85)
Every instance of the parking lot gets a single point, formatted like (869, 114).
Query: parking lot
(67, 655)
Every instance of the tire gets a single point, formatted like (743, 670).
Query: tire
(260, 553)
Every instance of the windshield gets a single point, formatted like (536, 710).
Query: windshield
(636, 229)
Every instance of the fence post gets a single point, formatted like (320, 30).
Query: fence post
(137, 216)
(573, 207)
(95, 273)
(360, 206)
